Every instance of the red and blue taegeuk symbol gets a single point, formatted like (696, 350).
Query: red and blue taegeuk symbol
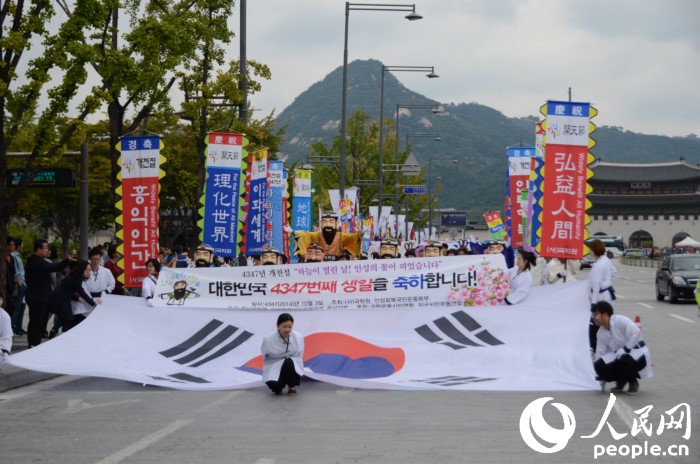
(341, 355)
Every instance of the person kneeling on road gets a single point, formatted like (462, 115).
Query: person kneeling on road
(621, 355)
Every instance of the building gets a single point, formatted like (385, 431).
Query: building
(654, 204)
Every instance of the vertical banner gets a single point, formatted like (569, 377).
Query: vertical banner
(565, 187)
(518, 179)
(222, 206)
(276, 187)
(301, 204)
(345, 208)
(285, 215)
(256, 221)
(495, 225)
(140, 173)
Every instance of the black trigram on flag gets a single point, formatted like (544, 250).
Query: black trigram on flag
(453, 380)
(181, 377)
(210, 342)
(457, 332)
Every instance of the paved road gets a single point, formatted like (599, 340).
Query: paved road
(91, 420)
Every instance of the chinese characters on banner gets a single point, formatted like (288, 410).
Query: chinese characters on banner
(565, 180)
(518, 179)
(140, 172)
(256, 220)
(301, 203)
(222, 193)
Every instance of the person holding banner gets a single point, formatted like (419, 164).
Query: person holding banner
(389, 249)
(432, 249)
(621, 354)
(62, 297)
(282, 353)
(600, 284)
(148, 287)
(313, 253)
(270, 257)
(520, 277)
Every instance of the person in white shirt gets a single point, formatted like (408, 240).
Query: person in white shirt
(148, 287)
(557, 272)
(100, 281)
(283, 352)
(5, 333)
(520, 277)
(621, 355)
(600, 284)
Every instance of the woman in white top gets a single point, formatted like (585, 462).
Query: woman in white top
(520, 277)
(148, 287)
(600, 284)
(283, 352)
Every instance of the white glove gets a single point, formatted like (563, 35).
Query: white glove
(250, 260)
(288, 229)
(620, 352)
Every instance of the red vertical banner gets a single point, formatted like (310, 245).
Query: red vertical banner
(518, 178)
(565, 187)
(140, 173)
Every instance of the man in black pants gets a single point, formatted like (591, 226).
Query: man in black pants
(621, 354)
(38, 277)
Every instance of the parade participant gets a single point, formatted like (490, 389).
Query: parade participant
(463, 249)
(62, 298)
(99, 281)
(432, 249)
(621, 354)
(520, 277)
(332, 240)
(495, 247)
(5, 333)
(409, 251)
(283, 352)
(314, 253)
(270, 257)
(600, 284)
(148, 287)
(389, 249)
(555, 272)
(111, 264)
(38, 273)
(204, 256)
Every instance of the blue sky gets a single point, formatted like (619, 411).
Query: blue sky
(636, 61)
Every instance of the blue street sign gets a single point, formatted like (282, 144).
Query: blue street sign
(415, 190)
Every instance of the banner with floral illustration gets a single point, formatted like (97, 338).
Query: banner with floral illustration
(390, 283)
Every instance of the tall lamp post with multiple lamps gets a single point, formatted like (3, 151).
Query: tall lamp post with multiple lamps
(431, 75)
(412, 16)
(430, 183)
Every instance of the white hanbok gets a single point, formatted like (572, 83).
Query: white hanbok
(276, 349)
(520, 285)
(600, 280)
(623, 337)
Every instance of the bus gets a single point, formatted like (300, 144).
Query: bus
(614, 246)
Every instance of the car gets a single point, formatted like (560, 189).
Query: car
(587, 262)
(677, 277)
(634, 253)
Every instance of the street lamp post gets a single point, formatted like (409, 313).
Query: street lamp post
(430, 195)
(412, 16)
(431, 75)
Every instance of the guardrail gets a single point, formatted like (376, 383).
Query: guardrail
(642, 262)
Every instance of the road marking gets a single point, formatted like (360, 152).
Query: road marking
(684, 319)
(144, 443)
(624, 412)
(224, 399)
(80, 405)
(21, 392)
(643, 281)
(620, 296)
(266, 461)
(646, 305)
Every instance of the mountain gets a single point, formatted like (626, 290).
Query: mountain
(474, 134)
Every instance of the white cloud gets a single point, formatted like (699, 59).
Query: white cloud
(636, 60)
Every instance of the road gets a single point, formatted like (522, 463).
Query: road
(76, 420)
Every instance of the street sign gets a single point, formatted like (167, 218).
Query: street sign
(415, 190)
(454, 218)
(57, 177)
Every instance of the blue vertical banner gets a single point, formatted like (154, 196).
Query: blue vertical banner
(301, 204)
(277, 184)
(222, 205)
(256, 220)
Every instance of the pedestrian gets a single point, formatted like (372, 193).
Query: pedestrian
(520, 277)
(5, 333)
(38, 277)
(283, 352)
(111, 264)
(10, 282)
(621, 355)
(600, 284)
(63, 297)
(17, 310)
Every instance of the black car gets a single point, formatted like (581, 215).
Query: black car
(677, 277)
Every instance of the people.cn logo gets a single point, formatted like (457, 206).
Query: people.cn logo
(534, 429)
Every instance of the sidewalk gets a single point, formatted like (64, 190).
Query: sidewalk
(14, 377)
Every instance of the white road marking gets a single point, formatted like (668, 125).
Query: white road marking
(224, 399)
(624, 412)
(620, 296)
(21, 392)
(80, 405)
(646, 305)
(642, 281)
(144, 443)
(266, 461)
(684, 319)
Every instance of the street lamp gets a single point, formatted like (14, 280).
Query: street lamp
(412, 16)
(429, 182)
(431, 75)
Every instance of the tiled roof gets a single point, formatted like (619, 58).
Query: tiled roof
(651, 200)
(649, 172)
